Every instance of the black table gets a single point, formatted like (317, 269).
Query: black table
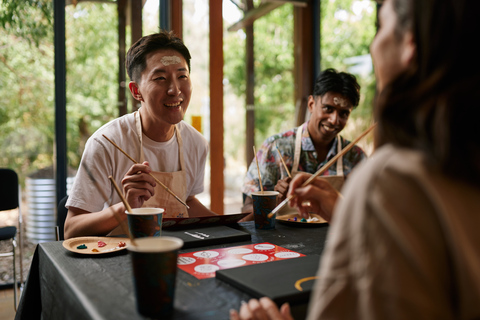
(65, 285)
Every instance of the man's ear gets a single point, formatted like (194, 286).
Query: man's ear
(311, 103)
(133, 86)
(409, 49)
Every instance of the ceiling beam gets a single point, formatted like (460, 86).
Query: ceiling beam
(254, 14)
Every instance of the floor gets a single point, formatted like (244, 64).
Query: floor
(7, 312)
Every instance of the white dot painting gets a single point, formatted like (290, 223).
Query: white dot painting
(264, 246)
(240, 251)
(287, 255)
(206, 254)
(206, 268)
(185, 260)
(255, 257)
(230, 263)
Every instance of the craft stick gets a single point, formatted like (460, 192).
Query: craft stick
(156, 180)
(323, 169)
(105, 198)
(258, 169)
(129, 209)
(281, 158)
(120, 194)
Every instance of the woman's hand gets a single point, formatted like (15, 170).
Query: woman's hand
(262, 309)
(318, 197)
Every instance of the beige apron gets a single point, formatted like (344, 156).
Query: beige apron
(336, 181)
(176, 181)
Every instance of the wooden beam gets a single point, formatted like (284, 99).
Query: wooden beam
(297, 3)
(176, 14)
(254, 14)
(122, 80)
(216, 106)
(250, 90)
(136, 7)
(304, 63)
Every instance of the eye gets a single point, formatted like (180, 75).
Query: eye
(159, 78)
(327, 109)
(344, 114)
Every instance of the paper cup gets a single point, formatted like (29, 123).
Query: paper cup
(154, 264)
(264, 203)
(145, 222)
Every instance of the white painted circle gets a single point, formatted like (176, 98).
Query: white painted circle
(240, 251)
(264, 246)
(287, 255)
(230, 263)
(185, 260)
(255, 257)
(206, 268)
(206, 254)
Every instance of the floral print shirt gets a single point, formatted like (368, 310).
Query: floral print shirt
(272, 169)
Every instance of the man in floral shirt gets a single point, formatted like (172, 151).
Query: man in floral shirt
(308, 147)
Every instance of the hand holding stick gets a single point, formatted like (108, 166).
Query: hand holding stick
(156, 180)
(324, 168)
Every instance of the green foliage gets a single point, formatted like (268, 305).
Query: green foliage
(27, 119)
(347, 29)
(92, 76)
(27, 19)
(273, 52)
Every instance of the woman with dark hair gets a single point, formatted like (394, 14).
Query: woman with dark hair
(404, 241)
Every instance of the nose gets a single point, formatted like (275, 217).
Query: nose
(334, 118)
(174, 89)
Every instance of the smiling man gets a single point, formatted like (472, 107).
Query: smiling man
(156, 136)
(311, 145)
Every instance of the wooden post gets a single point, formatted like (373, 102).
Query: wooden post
(250, 94)
(136, 24)
(304, 60)
(122, 79)
(216, 106)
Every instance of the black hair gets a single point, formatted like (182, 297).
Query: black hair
(330, 80)
(430, 106)
(136, 55)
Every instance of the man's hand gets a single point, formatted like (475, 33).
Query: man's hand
(138, 185)
(318, 197)
(262, 309)
(282, 188)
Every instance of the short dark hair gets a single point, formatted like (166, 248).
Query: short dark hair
(136, 61)
(330, 80)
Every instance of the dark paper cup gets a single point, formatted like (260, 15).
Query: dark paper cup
(145, 222)
(154, 262)
(264, 203)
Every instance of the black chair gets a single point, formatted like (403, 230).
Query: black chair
(61, 216)
(9, 200)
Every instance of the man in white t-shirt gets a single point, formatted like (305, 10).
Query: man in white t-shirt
(156, 136)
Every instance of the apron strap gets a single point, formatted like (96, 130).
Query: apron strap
(298, 148)
(340, 160)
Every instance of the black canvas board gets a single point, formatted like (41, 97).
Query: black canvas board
(275, 279)
(200, 237)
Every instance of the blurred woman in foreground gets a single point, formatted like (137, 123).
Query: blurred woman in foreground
(404, 241)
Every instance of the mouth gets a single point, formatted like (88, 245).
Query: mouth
(173, 105)
(329, 129)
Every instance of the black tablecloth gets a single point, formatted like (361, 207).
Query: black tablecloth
(65, 285)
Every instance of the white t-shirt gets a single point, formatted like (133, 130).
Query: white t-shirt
(102, 159)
